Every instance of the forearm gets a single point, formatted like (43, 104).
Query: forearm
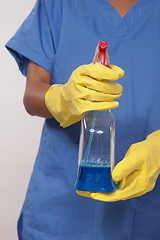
(34, 100)
(37, 84)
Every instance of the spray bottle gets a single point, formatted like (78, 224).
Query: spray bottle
(97, 141)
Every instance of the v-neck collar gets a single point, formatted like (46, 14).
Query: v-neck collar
(120, 26)
(112, 4)
(139, 10)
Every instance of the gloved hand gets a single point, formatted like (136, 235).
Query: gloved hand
(87, 89)
(137, 172)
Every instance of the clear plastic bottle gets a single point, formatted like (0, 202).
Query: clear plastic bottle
(96, 148)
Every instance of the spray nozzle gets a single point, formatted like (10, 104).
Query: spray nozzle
(101, 55)
(102, 46)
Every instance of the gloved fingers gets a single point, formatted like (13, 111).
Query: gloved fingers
(108, 197)
(103, 86)
(131, 149)
(87, 106)
(95, 96)
(99, 72)
(132, 187)
(101, 97)
(128, 165)
(153, 134)
(130, 180)
(116, 196)
(124, 194)
(136, 184)
(118, 70)
(83, 193)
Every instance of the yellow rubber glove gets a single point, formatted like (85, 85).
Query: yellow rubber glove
(138, 171)
(87, 89)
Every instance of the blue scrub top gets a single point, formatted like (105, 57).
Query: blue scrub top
(60, 35)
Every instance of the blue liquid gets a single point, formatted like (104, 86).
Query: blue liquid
(95, 179)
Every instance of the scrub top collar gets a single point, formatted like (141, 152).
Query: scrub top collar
(120, 27)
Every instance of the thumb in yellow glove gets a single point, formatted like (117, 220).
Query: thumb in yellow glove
(89, 88)
(137, 172)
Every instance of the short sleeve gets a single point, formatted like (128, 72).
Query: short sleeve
(34, 40)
